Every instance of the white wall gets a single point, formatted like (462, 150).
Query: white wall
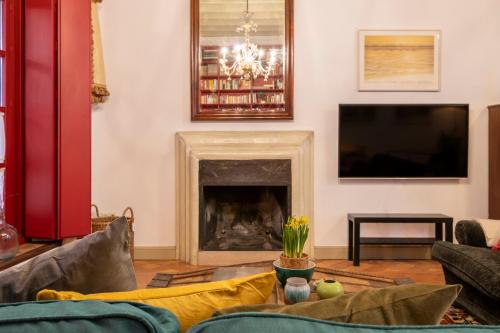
(146, 46)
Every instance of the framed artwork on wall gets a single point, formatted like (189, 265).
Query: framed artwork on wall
(399, 60)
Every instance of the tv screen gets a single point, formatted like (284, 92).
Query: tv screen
(403, 141)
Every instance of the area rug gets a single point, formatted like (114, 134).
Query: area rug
(457, 316)
(352, 282)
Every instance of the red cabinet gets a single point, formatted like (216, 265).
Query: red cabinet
(57, 118)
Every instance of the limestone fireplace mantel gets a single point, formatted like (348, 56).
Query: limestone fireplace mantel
(191, 147)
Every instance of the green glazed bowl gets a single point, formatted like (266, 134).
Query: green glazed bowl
(283, 273)
(329, 288)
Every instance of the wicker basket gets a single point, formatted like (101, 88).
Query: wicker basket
(101, 222)
(294, 263)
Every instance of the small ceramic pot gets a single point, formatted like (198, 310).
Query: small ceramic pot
(329, 289)
(297, 290)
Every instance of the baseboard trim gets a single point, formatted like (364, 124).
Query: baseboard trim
(405, 252)
(330, 252)
(154, 253)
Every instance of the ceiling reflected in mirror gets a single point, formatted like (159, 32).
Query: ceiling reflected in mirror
(220, 19)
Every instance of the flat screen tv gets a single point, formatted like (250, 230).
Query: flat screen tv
(403, 141)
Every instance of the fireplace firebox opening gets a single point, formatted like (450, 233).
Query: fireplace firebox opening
(243, 218)
(243, 204)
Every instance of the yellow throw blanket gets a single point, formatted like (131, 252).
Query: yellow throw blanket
(190, 303)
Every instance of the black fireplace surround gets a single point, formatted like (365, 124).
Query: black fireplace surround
(243, 204)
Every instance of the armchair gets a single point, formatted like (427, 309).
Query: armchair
(476, 267)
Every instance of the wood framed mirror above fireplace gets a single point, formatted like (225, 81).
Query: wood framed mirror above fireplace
(217, 36)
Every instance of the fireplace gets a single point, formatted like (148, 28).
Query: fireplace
(234, 189)
(243, 204)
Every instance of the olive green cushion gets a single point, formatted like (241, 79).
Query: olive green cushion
(251, 322)
(413, 304)
(85, 317)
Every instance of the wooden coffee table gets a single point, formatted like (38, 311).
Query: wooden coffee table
(352, 282)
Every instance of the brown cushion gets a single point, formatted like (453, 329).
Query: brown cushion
(99, 262)
(414, 304)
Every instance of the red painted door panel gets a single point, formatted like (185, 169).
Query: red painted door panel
(74, 118)
(14, 128)
(40, 118)
(57, 119)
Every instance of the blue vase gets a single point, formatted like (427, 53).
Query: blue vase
(297, 290)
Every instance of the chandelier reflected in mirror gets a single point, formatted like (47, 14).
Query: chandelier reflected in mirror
(246, 59)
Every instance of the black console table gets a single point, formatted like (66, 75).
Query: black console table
(355, 221)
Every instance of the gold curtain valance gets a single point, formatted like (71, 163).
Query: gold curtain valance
(99, 87)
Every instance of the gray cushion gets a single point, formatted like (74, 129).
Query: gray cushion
(479, 267)
(470, 233)
(99, 262)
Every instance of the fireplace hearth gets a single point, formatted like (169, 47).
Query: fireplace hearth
(243, 204)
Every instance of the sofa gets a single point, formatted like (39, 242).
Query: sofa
(124, 317)
(85, 316)
(81, 267)
(249, 322)
(476, 267)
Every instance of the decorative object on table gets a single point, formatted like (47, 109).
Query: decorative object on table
(399, 60)
(99, 87)
(297, 290)
(283, 273)
(9, 241)
(329, 288)
(100, 222)
(293, 261)
(295, 233)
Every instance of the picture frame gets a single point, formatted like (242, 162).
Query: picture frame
(399, 60)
